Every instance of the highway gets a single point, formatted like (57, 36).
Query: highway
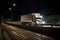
(14, 33)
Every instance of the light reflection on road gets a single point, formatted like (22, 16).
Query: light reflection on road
(21, 34)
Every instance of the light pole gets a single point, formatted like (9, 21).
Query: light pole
(12, 10)
(14, 6)
(11, 13)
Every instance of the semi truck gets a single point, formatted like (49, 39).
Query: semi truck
(32, 19)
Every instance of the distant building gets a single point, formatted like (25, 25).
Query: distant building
(53, 19)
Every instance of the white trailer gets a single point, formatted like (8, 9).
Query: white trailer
(33, 18)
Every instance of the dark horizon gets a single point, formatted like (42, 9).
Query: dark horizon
(30, 6)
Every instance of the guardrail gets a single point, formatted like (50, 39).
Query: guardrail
(50, 25)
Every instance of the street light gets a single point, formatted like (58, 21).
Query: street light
(14, 4)
(9, 8)
(11, 13)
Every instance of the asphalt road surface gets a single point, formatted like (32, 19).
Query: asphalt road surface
(14, 33)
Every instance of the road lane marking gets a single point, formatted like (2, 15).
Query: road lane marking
(19, 35)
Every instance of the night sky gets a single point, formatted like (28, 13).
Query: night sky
(30, 6)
